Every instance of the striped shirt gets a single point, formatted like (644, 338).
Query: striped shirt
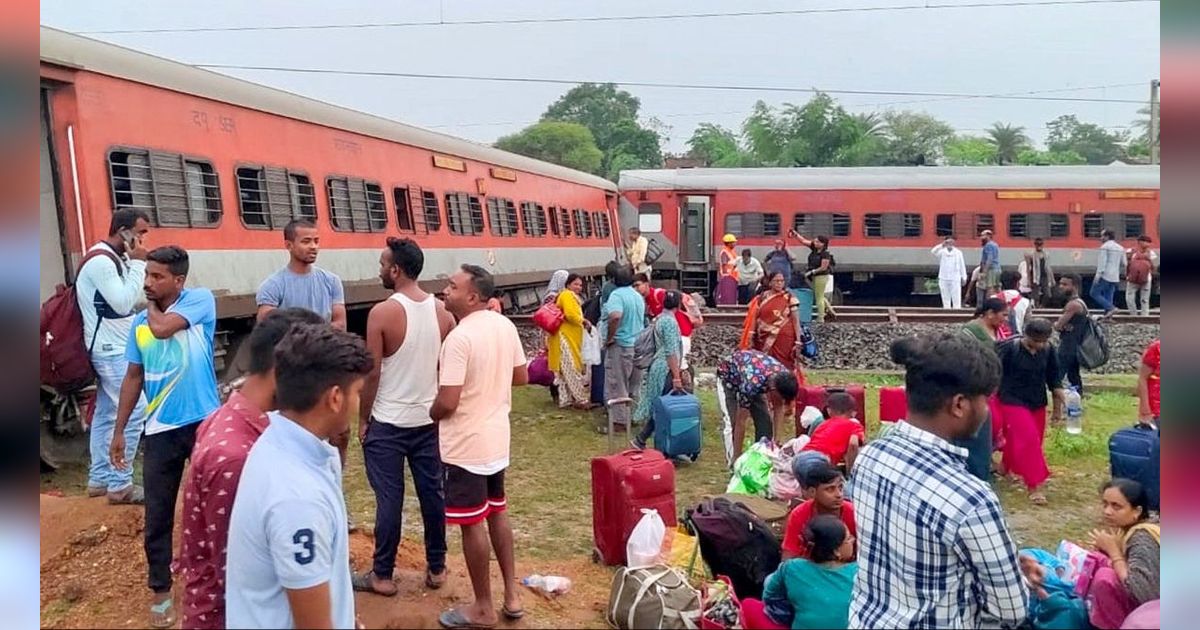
(934, 551)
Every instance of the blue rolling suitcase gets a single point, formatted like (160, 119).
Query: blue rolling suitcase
(677, 425)
(1133, 453)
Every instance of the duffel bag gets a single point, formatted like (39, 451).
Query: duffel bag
(652, 597)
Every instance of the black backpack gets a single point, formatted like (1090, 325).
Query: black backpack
(736, 543)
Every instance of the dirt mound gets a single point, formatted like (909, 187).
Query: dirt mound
(94, 576)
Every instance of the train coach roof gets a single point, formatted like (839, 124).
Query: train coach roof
(892, 178)
(74, 51)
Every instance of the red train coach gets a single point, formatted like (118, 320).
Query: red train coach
(221, 165)
(883, 221)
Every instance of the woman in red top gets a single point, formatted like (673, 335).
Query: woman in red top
(1148, 383)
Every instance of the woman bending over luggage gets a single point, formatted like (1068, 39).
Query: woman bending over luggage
(1131, 546)
(813, 592)
(668, 348)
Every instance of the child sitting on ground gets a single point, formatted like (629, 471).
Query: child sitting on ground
(823, 486)
(841, 436)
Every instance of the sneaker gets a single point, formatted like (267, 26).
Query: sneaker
(133, 495)
(96, 491)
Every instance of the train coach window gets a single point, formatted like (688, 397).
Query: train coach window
(356, 205)
(964, 224)
(650, 217)
(564, 222)
(832, 224)
(533, 217)
(174, 190)
(752, 224)
(404, 212)
(583, 223)
(503, 216)
(603, 227)
(893, 225)
(1125, 226)
(464, 214)
(433, 214)
(1038, 225)
(271, 197)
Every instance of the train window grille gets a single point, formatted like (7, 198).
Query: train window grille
(433, 214)
(564, 221)
(404, 213)
(174, 190)
(964, 225)
(1038, 225)
(555, 228)
(752, 224)
(533, 217)
(603, 226)
(1125, 226)
(464, 214)
(503, 216)
(583, 223)
(356, 205)
(270, 197)
(833, 224)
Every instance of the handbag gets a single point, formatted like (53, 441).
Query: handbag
(549, 318)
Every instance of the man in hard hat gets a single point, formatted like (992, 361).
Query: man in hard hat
(727, 274)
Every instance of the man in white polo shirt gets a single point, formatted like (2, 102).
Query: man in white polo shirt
(288, 559)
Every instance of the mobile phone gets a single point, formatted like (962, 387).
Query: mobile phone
(128, 237)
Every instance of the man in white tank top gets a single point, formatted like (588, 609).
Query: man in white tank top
(404, 335)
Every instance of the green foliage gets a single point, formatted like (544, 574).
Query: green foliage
(970, 151)
(564, 143)
(1033, 157)
(717, 146)
(1009, 141)
(915, 138)
(1095, 144)
(612, 117)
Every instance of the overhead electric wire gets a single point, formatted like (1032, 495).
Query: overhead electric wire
(924, 6)
(650, 84)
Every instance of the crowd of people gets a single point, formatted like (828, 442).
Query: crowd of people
(920, 540)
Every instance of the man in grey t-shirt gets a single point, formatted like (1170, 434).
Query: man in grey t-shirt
(301, 284)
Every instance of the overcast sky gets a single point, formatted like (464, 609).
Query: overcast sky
(963, 51)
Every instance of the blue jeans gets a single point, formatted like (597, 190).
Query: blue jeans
(1102, 292)
(110, 372)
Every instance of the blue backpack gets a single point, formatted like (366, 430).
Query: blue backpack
(808, 342)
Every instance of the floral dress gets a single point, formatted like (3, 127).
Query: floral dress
(747, 373)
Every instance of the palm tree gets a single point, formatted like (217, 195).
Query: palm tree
(1009, 141)
(870, 125)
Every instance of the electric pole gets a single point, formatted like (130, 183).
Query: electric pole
(1154, 121)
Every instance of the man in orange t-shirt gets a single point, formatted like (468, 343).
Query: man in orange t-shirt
(826, 485)
(841, 436)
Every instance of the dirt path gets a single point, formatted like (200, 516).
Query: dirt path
(93, 576)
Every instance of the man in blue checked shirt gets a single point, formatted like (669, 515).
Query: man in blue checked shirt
(934, 551)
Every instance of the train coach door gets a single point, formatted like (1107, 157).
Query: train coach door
(53, 260)
(696, 229)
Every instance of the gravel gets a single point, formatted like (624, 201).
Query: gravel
(857, 347)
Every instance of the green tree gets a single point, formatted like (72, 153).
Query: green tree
(564, 143)
(817, 133)
(1033, 157)
(612, 117)
(1095, 144)
(765, 135)
(1009, 141)
(866, 141)
(914, 138)
(717, 146)
(970, 151)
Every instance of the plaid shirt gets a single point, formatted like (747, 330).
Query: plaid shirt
(933, 548)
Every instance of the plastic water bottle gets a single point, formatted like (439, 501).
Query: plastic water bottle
(1074, 412)
(551, 584)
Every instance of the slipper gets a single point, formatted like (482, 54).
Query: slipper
(363, 583)
(455, 619)
(511, 615)
(434, 581)
(166, 614)
(96, 491)
(1038, 499)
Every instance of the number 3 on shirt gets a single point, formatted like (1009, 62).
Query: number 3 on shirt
(303, 538)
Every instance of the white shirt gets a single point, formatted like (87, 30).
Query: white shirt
(118, 296)
(748, 272)
(1111, 261)
(408, 377)
(287, 530)
(951, 266)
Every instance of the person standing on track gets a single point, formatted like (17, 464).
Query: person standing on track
(952, 272)
(481, 361)
(223, 442)
(171, 360)
(404, 335)
(107, 288)
(1040, 273)
(289, 550)
(989, 268)
(820, 271)
(727, 276)
(1139, 276)
(1109, 266)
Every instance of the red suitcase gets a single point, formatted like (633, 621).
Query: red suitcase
(893, 404)
(622, 485)
(815, 396)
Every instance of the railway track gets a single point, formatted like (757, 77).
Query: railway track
(734, 315)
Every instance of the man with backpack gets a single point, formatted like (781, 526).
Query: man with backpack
(1139, 272)
(108, 288)
(1072, 325)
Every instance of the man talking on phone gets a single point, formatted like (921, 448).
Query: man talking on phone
(109, 287)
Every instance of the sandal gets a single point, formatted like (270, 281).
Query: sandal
(364, 583)
(1038, 498)
(434, 581)
(455, 619)
(511, 615)
(162, 614)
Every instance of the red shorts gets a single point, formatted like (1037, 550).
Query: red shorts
(471, 498)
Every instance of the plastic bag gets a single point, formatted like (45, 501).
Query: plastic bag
(752, 471)
(684, 553)
(1072, 557)
(810, 417)
(644, 548)
(590, 351)
(782, 484)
